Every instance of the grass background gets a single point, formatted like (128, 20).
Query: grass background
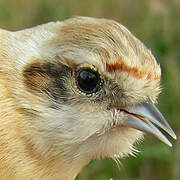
(157, 24)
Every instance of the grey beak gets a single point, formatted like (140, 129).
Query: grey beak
(144, 117)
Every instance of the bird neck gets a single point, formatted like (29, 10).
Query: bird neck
(34, 165)
(68, 172)
(28, 159)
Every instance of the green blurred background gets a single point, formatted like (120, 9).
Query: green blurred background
(157, 24)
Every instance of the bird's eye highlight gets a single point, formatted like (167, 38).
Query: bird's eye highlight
(87, 80)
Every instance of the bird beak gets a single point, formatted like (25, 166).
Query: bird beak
(144, 117)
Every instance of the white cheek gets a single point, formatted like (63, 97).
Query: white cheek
(85, 135)
(65, 127)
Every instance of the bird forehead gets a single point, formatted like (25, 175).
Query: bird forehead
(109, 45)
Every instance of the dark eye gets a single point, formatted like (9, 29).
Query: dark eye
(88, 81)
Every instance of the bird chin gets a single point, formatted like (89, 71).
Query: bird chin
(117, 141)
(120, 141)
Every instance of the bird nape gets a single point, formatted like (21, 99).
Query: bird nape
(73, 91)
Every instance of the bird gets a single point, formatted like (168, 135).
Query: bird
(72, 91)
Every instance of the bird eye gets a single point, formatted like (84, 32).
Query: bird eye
(88, 80)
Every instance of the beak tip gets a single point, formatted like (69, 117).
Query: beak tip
(172, 134)
(175, 137)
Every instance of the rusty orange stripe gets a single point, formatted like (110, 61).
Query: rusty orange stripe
(134, 71)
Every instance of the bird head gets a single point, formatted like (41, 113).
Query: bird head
(89, 89)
